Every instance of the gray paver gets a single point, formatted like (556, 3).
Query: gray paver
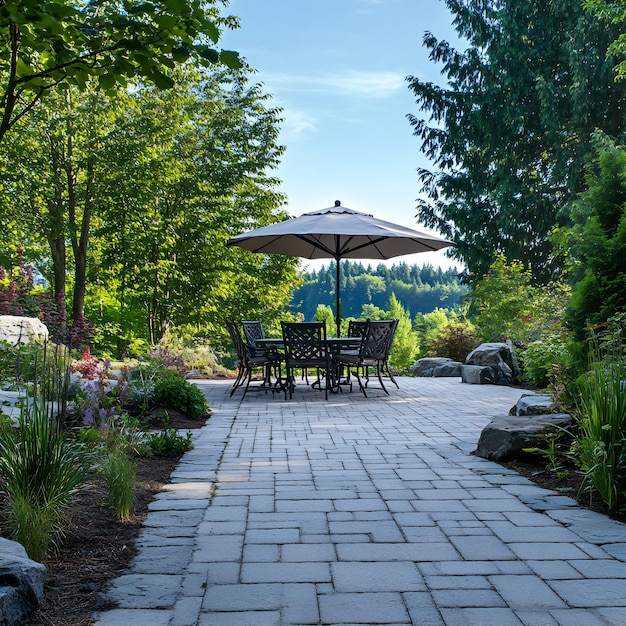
(361, 511)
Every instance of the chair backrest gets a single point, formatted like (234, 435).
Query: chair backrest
(304, 341)
(377, 339)
(356, 328)
(235, 337)
(253, 330)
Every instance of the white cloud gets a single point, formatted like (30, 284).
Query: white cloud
(362, 84)
(297, 124)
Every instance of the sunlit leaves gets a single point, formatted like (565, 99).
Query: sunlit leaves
(53, 43)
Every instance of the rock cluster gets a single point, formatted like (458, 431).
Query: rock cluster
(490, 363)
(508, 436)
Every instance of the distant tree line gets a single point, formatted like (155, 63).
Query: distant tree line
(418, 289)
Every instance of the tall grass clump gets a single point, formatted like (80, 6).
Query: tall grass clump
(40, 471)
(600, 410)
(120, 473)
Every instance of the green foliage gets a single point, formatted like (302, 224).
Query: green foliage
(187, 351)
(509, 132)
(52, 45)
(404, 346)
(119, 472)
(545, 358)
(428, 327)
(324, 313)
(454, 340)
(553, 449)
(40, 472)
(510, 307)
(136, 235)
(171, 390)
(601, 417)
(596, 243)
(165, 442)
(613, 12)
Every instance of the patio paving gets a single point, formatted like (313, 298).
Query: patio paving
(365, 511)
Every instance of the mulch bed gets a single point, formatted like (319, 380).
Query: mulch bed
(97, 547)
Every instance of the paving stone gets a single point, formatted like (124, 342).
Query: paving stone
(363, 608)
(285, 573)
(550, 551)
(476, 548)
(480, 617)
(582, 617)
(526, 591)
(241, 618)
(422, 609)
(136, 617)
(379, 576)
(592, 592)
(145, 591)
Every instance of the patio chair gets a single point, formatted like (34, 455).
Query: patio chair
(356, 328)
(305, 348)
(373, 353)
(249, 360)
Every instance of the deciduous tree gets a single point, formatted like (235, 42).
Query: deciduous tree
(47, 45)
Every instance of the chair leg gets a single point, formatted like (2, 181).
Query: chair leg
(358, 377)
(379, 372)
(248, 379)
(393, 380)
(238, 380)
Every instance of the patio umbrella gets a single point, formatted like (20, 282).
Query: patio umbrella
(338, 233)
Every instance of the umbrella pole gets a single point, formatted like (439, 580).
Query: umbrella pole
(337, 297)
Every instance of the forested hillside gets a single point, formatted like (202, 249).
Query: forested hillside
(419, 289)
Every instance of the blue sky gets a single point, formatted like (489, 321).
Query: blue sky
(338, 69)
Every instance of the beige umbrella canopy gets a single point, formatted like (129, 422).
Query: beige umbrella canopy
(338, 233)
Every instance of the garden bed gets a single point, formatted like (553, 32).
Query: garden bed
(98, 548)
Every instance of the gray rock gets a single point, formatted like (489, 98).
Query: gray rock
(436, 367)
(21, 583)
(478, 375)
(534, 404)
(15, 329)
(506, 437)
(498, 356)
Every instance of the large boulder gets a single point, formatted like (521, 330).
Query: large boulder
(499, 358)
(506, 437)
(15, 329)
(436, 367)
(21, 588)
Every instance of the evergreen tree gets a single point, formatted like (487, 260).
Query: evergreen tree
(597, 242)
(509, 134)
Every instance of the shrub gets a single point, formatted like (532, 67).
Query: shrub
(173, 391)
(511, 308)
(544, 358)
(187, 353)
(454, 341)
(165, 442)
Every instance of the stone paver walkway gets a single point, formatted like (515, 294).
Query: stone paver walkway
(365, 511)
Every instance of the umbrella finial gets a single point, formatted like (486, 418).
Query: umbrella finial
(337, 202)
